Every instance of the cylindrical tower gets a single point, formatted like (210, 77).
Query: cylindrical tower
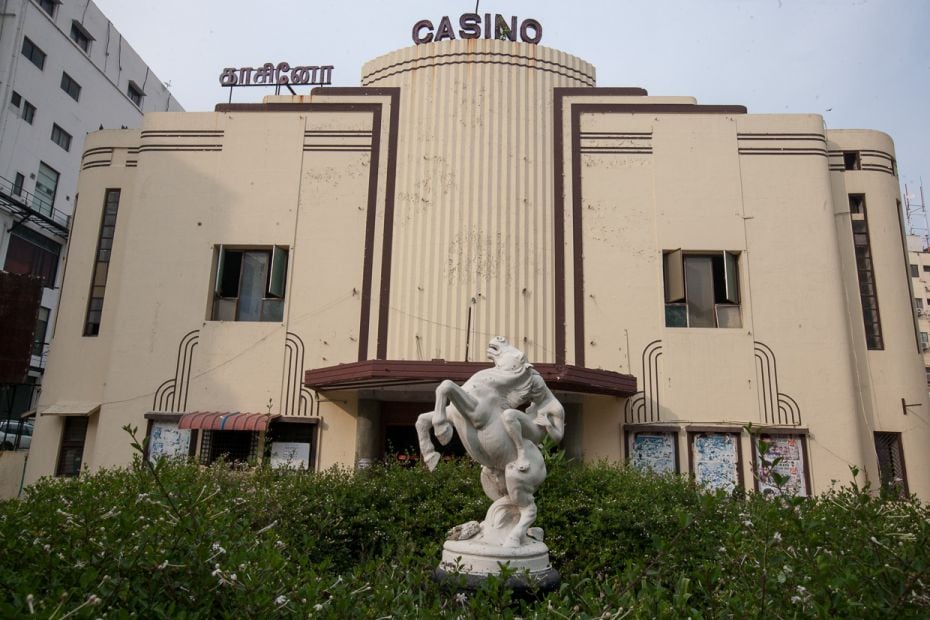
(473, 224)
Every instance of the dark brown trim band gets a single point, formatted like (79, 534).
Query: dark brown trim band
(559, 192)
(383, 373)
(387, 242)
(487, 62)
(371, 76)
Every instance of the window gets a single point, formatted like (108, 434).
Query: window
(924, 341)
(915, 272)
(868, 292)
(38, 342)
(790, 453)
(166, 440)
(701, 289)
(653, 450)
(891, 468)
(716, 460)
(135, 94)
(70, 86)
(33, 53)
(46, 187)
(851, 160)
(71, 452)
(30, 253)
(250, 284)
(98, 285)
(18, 184)
(61, 137)
(16, 99)
(919, 303)
(81, 37)
(48, 6)
(231, 446)
(29, 112)
(927, 372)
(291, 445)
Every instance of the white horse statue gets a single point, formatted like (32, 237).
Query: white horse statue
(502, 438)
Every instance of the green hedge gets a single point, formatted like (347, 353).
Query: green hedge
(185, 541)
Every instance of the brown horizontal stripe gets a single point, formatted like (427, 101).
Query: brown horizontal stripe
(498, 54)
(781, 136)
(584, 78)
(97, 164)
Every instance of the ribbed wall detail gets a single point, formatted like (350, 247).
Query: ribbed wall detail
(473, 221)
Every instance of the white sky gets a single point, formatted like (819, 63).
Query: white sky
(859, 63)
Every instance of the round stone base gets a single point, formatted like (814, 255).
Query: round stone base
(466, 564)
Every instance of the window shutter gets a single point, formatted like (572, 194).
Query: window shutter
(278, 272)
(220, 264)
(674, 277)
(731, 277)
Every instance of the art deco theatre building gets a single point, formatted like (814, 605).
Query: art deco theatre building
(291, 279)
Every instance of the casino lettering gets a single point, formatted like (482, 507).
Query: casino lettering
(472, 26)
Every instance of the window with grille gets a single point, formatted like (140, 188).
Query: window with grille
(30, 253)
(135, 94)
(98, 284)
(61, 137)
(891, 468)
(81, 37)
(71, 453)
(868, 291)
(231, 446)
(49, 6)
(33, 52)
(38, 342)
(29, 112)
(70, 86)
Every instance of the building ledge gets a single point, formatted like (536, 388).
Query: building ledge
(384, 373)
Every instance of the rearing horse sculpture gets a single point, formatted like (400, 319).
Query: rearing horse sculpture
(484, 411)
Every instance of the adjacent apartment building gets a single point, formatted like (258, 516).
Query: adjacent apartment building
(291, 279)
(64, 71)
(919, 266)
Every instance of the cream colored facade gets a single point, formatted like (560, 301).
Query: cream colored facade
(476, 188)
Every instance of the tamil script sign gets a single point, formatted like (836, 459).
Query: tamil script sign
(277, 75)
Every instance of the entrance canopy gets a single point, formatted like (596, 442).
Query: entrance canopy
(383, 373)
(226, 421)
(72, 408)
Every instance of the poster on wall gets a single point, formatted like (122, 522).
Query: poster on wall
(790, 449)
(168, 441)
(716, 460)
(653, 452)
(290, 455)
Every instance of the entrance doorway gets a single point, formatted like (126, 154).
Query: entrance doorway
(398, 437)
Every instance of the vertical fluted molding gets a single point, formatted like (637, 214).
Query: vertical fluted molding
(474, 197)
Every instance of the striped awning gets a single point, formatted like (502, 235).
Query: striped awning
(226, 421)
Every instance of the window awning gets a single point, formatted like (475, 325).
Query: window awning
(226, 421)
(72, 408)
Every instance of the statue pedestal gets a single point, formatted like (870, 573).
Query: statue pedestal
(467, 563)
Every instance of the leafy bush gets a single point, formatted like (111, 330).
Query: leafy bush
(184, 541)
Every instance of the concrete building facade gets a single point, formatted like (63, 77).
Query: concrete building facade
(291, 279)
(64, 71)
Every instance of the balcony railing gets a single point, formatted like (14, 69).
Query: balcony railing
(34, 207)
